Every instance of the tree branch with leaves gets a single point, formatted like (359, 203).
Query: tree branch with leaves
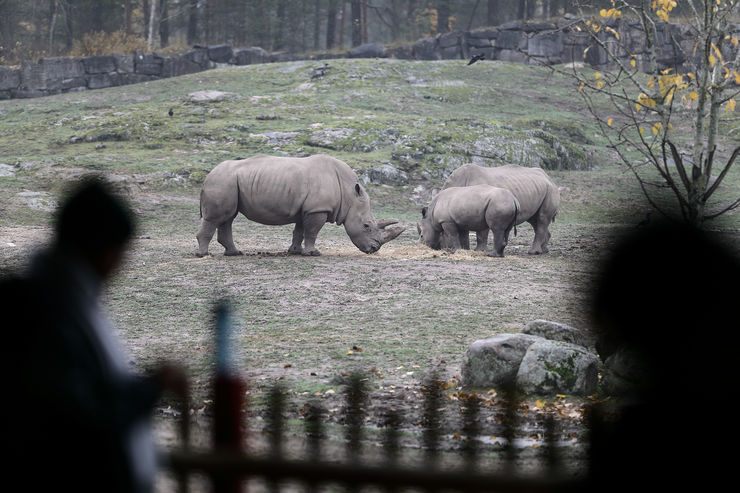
(667, 117)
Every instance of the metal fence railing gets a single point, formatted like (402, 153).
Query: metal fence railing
(228, 466)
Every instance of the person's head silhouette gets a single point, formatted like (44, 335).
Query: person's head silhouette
(94, 224)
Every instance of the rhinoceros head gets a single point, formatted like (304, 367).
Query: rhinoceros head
(427, 234)
(365, 232)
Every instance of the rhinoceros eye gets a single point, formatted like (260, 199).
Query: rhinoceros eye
(366, 225)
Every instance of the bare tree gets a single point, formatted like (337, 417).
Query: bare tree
(650, 118)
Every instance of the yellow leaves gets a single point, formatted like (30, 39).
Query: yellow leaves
(612, 31)
(663, 8)
(600, 84)
(712, 60)
(597, 75)
(644, 101)
(633, 63)
(730, 106)
(610, 14)
(657, 128)
(609, 122)
(736, 74)
(693, 95)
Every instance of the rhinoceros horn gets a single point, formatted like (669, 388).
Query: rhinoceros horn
(390, 233)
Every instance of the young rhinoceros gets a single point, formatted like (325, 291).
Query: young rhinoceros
(456, 211)
(538, 196)
(273, 190)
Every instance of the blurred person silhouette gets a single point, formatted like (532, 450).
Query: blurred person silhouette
(79, 416)
(665, 308)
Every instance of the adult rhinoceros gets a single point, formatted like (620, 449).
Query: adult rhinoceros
(538, 196)
(457, 210)
(273, 190)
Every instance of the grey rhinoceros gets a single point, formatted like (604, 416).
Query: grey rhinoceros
(538, 196)
(456, 211)
(308, 191)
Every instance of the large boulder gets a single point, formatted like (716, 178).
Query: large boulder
(622, 373)
(368, 50)
(534, 363)
(386, 174)
(555, 367)
(9, 78)
(99, 64)
(250, 55)
(494, 362)
(53, 74)
(556, 331)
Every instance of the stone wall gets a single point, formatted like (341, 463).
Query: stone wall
(517, 41)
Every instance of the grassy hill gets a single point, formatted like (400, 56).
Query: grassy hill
(409, 308)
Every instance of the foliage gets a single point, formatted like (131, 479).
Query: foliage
(104, 43)
(647, 120)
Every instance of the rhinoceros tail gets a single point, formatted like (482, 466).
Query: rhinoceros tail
(516, 214)
(200, 205)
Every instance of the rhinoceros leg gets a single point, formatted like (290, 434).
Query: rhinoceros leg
(464, 235)
(205, 233)
(308, 229)
(481, 240)
(541, 225)
(500, 240)
(226, 238)
(452, 234)
(295, 246)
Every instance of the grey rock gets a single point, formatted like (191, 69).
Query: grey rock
(9, 78)
(425, 49)
(208, 96)
(622, 372)
(250, 55)
(554, 367)
(556, 331)
(124, 63)
(99, 64)
(387, 174)
(494, 362)
(220, 53)
(99, 81)
(368, 50)
(148, 63)
(199, 56)
(546, 44)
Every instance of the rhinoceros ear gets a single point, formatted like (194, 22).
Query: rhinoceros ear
(358, 189)
(424, 212)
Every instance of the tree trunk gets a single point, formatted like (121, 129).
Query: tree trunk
(356, 13)
(443, 16)
(331, 24)
(342, 18)
(164, 23)
(127, 17)
(521, 11)
(150, 34)
(493, 16)
(52, 24)
(192, 36)
(317, 25)
(96, 15)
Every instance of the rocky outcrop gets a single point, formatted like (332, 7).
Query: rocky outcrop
(545, 358)
(517, 41)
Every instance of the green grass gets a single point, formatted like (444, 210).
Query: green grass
(405, 306)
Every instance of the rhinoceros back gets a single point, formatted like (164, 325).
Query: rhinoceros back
(275, 190)
(531, 186)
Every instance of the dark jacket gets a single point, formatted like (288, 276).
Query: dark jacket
(79, 417)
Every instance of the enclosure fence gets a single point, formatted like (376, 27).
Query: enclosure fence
(228, 466)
